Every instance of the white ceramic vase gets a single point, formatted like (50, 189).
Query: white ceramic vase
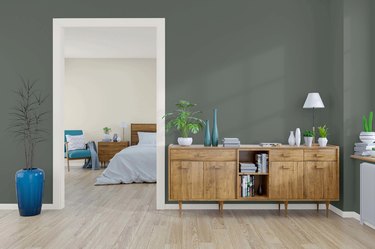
(322, 141)
(291, 139)
(308, 141)
(367, 137)
(298, 137)
(185, 141)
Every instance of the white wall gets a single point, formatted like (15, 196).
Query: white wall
(104, 92)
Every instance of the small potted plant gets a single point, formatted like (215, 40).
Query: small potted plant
(185, 121)
(367, 135)
(308, 136)
(323, 132)
(107, 136)
(27, 122)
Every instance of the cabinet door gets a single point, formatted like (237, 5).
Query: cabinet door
(286, 180)
(186, 180)
(220, 180)
(320, 180)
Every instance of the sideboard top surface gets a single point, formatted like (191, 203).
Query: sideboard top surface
(251, 147)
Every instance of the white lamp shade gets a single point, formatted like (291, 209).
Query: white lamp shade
(123, 125)
(313, 100)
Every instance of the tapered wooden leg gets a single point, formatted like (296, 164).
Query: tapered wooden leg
(317, 207)
(221, 207)
(180, 207)
(68, 165)
(286, 208)
(279, 207)
(327, 208)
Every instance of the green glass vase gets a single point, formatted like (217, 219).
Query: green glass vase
(207, 134)
(215, 132)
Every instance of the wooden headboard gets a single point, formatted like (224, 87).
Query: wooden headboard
(135, 128)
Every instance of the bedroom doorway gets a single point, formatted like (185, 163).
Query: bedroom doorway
(60, 28)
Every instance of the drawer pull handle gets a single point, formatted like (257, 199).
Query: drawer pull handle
(319, 167)
(318, 155)
(285, 155)
(184, 167)
(197, 155)
(286, 167)
(217, 167)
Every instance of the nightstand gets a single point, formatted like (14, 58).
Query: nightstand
(107, 150)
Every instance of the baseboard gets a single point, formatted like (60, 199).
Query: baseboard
(344, 214)
(249, 206)
(13, 206)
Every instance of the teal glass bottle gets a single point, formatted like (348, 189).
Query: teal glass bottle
(215, 132)
(207, 134)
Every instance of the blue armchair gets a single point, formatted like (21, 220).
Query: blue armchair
(75, 154)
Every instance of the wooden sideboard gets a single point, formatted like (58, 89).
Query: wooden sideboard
(198, 173)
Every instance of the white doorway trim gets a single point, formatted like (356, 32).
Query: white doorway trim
(59, 24)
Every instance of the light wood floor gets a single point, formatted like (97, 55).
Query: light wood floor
(124, 216)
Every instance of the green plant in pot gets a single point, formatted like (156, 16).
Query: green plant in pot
(184, 119)
(107, 136)
(27, 119)
(367, 135)
(308, 137)
(323, 133)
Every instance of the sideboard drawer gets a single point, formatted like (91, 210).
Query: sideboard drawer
(204, 155)
(285, 155)
(320, 155)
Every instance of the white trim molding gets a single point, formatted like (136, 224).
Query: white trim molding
(344, 214)
(59, 25)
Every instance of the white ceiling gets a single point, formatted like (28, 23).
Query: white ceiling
(110, 43)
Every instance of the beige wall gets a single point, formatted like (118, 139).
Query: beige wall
(105, 92)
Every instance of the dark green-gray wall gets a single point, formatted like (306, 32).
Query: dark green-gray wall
(254, 60)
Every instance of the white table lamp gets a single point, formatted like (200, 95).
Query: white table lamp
(313, 101)
(123, 125)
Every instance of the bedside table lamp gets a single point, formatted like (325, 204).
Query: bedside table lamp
(313, 101)
(123, 125)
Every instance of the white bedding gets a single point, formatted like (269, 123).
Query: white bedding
(133, 164)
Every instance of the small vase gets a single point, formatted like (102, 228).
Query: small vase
(260, 190)
(207, 134)
(298, 137)
(215, 132)
(107, 138)
(292, 139)
(29, 189)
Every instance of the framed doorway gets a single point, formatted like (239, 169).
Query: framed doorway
(59, 26)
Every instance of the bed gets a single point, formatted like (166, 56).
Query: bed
(136, 163)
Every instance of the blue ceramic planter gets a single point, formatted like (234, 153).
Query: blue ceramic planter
(29, 187)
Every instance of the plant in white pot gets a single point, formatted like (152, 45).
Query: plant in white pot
(27, 125)
(185, 121)
(107, 136)
(367, 135)
(323, 133)
(308, 137)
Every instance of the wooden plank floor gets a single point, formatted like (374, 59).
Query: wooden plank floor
(124, 216)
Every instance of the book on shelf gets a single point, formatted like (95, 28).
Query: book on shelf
(231, 142)
(248, 186)
(261, 160)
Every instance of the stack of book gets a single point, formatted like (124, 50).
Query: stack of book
(363, 149)
(231, 142)
(248, 168)
(261, 160)
(247, 186)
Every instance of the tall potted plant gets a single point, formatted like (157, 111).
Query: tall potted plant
(367, 135)
(185, 121)
(26, 124)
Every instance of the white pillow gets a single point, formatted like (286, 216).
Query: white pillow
(76, 142)
(147, 138)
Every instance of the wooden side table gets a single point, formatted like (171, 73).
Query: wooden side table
(107, 150)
